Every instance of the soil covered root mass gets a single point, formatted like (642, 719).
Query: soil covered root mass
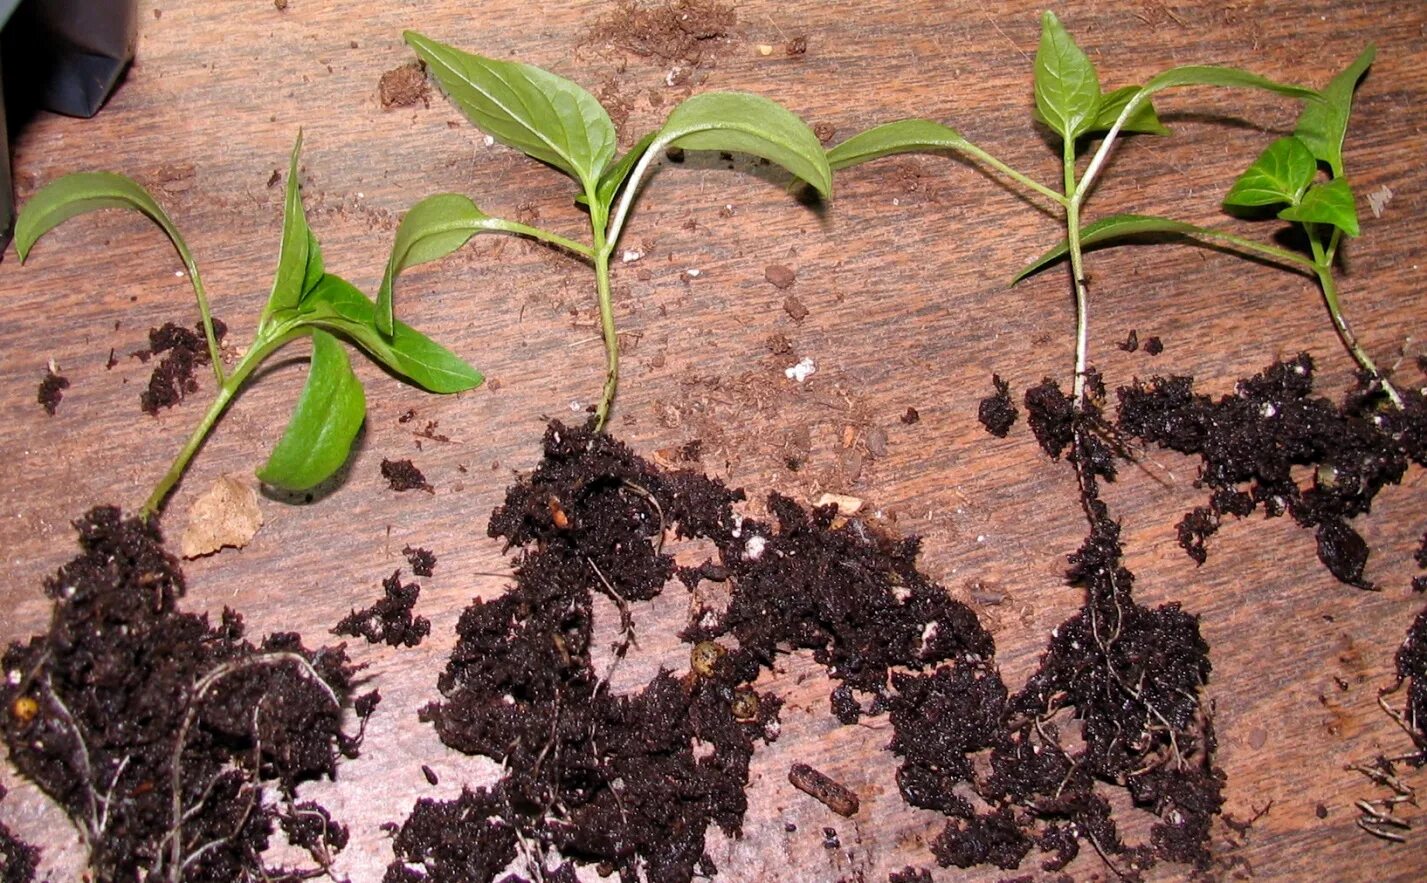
(631, 783)
(1251, 441)
(174, 745)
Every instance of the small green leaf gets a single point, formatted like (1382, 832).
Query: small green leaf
(902, 136)
(1280, 174)
(337, 305)
(1329, 203)
(742, 123)
(329, 412)
(1144, 120)
(536, 112)
(1323, 124)
(1066, 86)
(82, 192)
(432, 229)
(1105, 230)
(615, 176)
(299, 260)
(1199, 75)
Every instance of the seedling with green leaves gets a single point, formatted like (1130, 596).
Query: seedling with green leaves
(553, 120)
(306, 301)
(1071, 104)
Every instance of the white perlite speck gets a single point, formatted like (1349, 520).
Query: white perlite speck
(805, 368)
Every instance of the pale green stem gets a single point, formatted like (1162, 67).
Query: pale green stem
(1023, 180)
(603, 247)
(229, 388)
(554, 239)
(1077, 270)
(1323, 265)
(206, 315)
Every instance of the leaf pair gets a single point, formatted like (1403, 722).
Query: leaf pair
(1067, 90)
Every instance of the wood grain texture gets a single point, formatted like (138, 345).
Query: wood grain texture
(904, 277)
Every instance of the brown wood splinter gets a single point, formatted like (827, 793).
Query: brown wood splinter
(824, 790)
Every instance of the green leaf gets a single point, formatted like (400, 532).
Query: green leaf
(432, 229)
(1329, 203)
(337, 305)
(1280, 174)
(1144, 120)
(902, 136)
(82, 192)
(299, 260)
(615, 176)
(1105, 230)
(324, 423)
(742, 123)
(521, 106)
(1199, 75)
(1323, 124)
(1066, 86)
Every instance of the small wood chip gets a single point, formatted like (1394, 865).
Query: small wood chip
(226, 515)
(833, 795)
(845, 505)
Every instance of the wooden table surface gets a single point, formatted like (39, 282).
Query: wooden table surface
(903, 277)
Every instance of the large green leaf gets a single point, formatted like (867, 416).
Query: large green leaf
(1323, 124)
(329, 412)
(432, 229)
(1144, 120)
(1067, 88)
(83, 192)
(1105, 230)
(536, 112)
(742, 123)
(902, 136)
(299, 260)
(338, 306)
(1329, 203)
(1279, 175)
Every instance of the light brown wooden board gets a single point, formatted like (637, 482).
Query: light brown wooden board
(904, 276)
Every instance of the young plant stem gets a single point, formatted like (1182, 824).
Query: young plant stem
(611, 339)
(206, 315)
(1323, 267)
(255, 356)
(1024, 180)
(1077, 272)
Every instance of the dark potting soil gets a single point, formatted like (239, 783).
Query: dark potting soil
(18, 859)
(388, 620)
(614, 780)
(1411, 663)
(422, 561)
(997, 412)
(173, 378)
(170, 741)
(402, 475)
(1251, 441)
(52, 388)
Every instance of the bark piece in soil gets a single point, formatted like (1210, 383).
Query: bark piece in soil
(996, 412)
(402, 475)
(389, 620)
(830, 793)
(124, 686)
(51, 391)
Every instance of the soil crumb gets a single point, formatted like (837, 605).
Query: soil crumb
(780, 276)
(402, 475)
(174, 377)
(997, 412)
(685, 33)
(404, 86)
(204, 734)
(421, 561)
(389, 620)
(52, 389)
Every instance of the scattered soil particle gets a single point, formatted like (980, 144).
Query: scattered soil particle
(132, 697)
(796, 46)
(997, 412)
(174, 376)
(18, 859)
(794, 308)
(52, 391)
(1154, 346)
(688, 33)
(910, 874)
(280, 5)
(430, 775)
(389, 620)
(779, 344)
(421, 561)
(831, 794)
(830, 839)
(402, 475)
(1132, 342)
(825, 132)
(780, 275)
(404, 86)
(912, 417)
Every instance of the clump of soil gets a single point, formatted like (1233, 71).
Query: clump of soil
(52, 389)
(388, 620)
(687, 33)
(404, 86)
(175, 746)
(421, 561)
(1251, 441)
(997, 412)
(173, 377)
(402, 475)
(1411, 661)
(18, 859)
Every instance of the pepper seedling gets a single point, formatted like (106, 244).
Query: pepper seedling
(1284, 181)
(1070, 103)
(555, 121)
(306, 301)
